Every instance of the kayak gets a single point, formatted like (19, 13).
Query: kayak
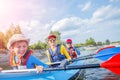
(45, 75)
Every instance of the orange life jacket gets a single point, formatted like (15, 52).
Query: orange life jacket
(72, 52)
(22, 60)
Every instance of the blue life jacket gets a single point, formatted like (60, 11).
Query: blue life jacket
(56, 56)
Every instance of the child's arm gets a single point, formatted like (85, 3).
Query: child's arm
(33, 61)
(64, 52)
(78, 52)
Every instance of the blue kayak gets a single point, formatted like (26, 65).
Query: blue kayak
(45, 75)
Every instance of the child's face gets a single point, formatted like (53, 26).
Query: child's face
(52, 41)
(20, 48)
(69, 44)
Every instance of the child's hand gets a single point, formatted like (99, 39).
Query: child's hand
(39, 69)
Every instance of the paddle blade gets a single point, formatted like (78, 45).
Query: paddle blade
(105, 54)
(104, 48)
(113, 64)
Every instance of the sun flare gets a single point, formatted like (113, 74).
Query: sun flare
(2, 8)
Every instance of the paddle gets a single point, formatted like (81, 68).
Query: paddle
(112, 64)
(104, 48)
(103, 54)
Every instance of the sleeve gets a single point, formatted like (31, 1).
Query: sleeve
(64, 52)
(48, 55)
(78, 52)
(32, 61)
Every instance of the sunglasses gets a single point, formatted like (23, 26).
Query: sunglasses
(69, 43)
(52, 40)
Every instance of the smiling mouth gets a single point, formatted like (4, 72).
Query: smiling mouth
(21, 52)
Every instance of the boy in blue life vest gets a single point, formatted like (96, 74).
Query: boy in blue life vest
(56, 52)
(20, 56)
(73, 52)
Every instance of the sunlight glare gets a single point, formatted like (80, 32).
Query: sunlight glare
(3, 8)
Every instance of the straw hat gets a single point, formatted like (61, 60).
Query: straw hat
(15, 38)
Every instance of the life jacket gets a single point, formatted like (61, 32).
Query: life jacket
(22, 60)
(72, 52)
(56, 56)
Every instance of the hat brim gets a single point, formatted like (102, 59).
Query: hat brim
(51, 36)
(10, 43)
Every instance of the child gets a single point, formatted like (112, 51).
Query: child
(56, 52)
(73, 52)
(20, 56)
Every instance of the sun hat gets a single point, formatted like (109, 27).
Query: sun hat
(15, 38)
(69, 41)
(52, 36)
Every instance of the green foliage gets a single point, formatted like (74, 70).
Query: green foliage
(17, 30)
(107, 42)
(99, 43)
(79, 45)
(90, 41)
(11, 31)
(2, 40)
(63, 43)
(39, 45)
(8, 35)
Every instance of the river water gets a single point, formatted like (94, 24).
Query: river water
(89, 74)
(97, 73)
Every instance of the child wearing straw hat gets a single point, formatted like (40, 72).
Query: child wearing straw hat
(20, 56)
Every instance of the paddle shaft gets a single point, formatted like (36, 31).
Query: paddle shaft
(90, 57)
(55, 69)
(74, 67)
(73, 60)
(81, 58)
